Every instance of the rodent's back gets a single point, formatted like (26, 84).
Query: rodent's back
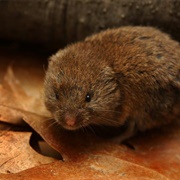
(147, 63)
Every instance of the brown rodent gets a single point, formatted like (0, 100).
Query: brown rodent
(127, 75)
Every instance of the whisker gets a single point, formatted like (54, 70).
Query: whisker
(48, 119)
(108, 120)
(52, 124)
(91, 129)
(82, 128)
(118, 112)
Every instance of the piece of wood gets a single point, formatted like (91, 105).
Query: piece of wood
(54, 23)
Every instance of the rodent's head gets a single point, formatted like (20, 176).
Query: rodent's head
(80, 89)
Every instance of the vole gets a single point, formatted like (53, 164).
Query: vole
(129, 75)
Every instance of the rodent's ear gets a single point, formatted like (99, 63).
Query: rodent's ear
(52, 58)
(49, 59)
(55, 56)
(108, 73)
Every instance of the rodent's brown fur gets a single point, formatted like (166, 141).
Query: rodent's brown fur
(132, 74)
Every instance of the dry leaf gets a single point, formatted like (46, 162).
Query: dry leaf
(158, 150)
(156, 153)
(12, 95)
(16, 154)
(97, 168)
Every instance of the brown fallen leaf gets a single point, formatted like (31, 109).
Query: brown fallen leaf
(13, 95)
(157, 152)
(16, 154)
(94, 168)
(98, 164)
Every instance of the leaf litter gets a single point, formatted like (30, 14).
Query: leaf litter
(151, 155)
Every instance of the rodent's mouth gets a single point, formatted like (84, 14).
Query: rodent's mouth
(72, 128)
(71, 123)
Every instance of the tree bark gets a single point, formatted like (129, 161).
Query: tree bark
(54, 23)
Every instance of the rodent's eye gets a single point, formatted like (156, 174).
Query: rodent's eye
(88, 97)
(57, 96)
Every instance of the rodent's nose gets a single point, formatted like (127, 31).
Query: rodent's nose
(70, 121)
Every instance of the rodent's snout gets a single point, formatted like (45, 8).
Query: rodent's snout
(70, 120)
